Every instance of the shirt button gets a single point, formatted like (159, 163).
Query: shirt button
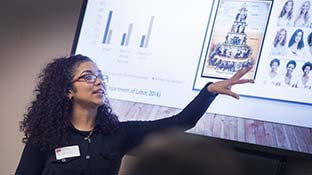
(88, 156)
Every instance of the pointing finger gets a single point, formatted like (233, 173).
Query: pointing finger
(230, 93)
(242, 81)
(242, 72)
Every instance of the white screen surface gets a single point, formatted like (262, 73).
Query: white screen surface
(156, 52)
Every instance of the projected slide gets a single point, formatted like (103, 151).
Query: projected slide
(163, 52)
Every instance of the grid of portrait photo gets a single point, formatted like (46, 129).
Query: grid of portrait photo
(290, 60)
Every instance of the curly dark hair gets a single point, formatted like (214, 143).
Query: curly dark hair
(48, 118)
(293, 62)
(307, 64)
(275, 60)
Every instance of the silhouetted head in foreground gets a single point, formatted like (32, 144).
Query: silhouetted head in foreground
(180, 154)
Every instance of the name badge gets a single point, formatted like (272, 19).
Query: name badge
(67, 152)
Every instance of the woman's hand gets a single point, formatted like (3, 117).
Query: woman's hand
(224, 87)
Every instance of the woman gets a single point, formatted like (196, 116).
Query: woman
(289, 80)
(285, 17)
(279, 42)
(303, 17)
(295, 44)
(70, 127)
(305, 80)
(273, 78)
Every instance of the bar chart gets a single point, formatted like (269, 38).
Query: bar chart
(125, 37)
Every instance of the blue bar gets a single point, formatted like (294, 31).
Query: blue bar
(107, 26)
(123, 39)
(142, 41)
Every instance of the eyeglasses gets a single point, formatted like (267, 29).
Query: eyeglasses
(91, 78)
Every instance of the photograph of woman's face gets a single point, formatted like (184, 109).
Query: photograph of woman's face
(305, 7)
(290, 68)
(307, 70)
(274, 66)
(282, 35)
(298, 37)
(288, 6)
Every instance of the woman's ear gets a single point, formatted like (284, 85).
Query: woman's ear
(70, 94)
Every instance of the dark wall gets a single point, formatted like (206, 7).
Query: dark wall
(32, 32)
